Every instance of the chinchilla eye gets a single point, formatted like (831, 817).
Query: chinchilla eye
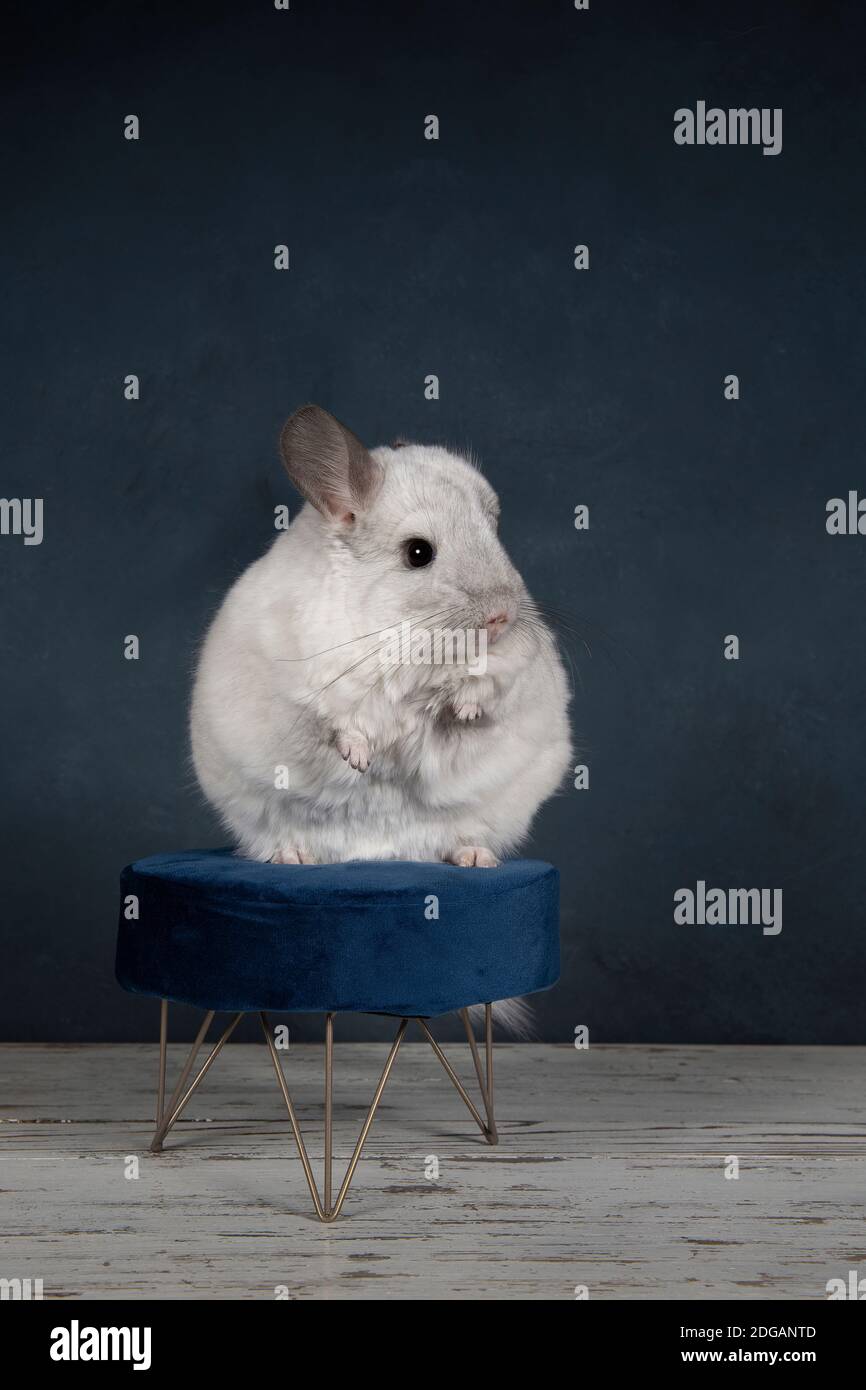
(419, 553)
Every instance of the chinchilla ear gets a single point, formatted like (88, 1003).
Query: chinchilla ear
(328, 464)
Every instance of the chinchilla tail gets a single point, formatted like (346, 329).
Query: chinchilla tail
(515, 1017)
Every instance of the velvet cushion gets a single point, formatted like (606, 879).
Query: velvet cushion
(232, 934)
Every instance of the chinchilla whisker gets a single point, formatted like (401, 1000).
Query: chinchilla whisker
(528, 616)
(306, 701)
(561, 631)
(583, 627)
(376, 632)
(448, 620)
(542, 611)
(347, 672)
(575, 672)
(363, 658)
(336, 647)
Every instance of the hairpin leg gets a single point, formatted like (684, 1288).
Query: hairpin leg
(328, 1209)
(329, 1108)
(176, 1107)
(163, 1039)
(486, 1086)
(325, 1211)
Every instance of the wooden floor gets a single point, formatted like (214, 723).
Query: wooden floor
(610, 1174)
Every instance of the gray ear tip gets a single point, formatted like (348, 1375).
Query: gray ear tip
(306, 413)
(303, 417)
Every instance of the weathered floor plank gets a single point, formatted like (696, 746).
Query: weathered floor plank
(609, 1174)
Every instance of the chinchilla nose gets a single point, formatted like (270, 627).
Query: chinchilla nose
(496, 623)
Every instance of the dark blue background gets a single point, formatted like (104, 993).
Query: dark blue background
(605, 388)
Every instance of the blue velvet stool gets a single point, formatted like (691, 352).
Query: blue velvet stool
(413, 940)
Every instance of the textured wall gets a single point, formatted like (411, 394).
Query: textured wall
(602, 387)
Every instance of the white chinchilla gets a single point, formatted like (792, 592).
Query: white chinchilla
(379, 685)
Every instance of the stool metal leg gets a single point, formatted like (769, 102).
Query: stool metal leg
(327, 1212)
(353, 1162)
(485, 1086)
(175, 1107)
(329, 1108)
(329, 1209)
(293, 1119)
(163, 1039)
(156, 1143)
(488, 1129)
(488, 1047)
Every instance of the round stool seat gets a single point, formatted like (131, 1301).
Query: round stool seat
(211, 929)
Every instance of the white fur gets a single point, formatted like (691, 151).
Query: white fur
(274, 685)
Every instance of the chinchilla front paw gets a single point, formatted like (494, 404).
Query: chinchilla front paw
(467, 711)
(291, 855)
(354, 749)
(472, 857)
(471, 698)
